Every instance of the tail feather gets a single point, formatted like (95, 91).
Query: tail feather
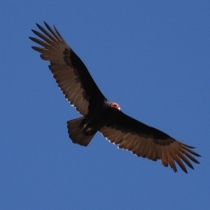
(76, 134)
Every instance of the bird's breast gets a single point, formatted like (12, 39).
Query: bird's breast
(96, 120)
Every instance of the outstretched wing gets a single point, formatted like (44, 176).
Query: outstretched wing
(148, 142)
(68, 70)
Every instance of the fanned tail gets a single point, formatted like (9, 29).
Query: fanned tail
(75, 132)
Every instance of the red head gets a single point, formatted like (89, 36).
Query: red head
(115, 106)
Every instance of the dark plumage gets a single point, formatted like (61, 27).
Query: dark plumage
(99, 114)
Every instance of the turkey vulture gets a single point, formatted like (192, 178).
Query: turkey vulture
(100, 114)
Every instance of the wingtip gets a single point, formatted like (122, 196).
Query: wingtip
(37, 25)
(45, 23)
(196, 162)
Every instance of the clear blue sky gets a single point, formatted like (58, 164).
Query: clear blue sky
(152, 57)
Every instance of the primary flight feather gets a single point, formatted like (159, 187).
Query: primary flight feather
(100, 114)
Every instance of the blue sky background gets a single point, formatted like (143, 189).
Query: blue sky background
(152, 57)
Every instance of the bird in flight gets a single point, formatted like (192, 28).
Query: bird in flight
(100, 114)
